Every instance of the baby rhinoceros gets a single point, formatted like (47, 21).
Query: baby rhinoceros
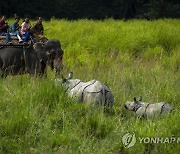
(147, 110)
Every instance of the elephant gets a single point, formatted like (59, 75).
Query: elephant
(32, 59)
(53, 48)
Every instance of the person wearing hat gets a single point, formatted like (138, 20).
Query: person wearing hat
(14, 29)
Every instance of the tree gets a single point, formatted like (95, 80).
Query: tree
(91, 9)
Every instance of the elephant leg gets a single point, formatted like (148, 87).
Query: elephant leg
(43, 68)
(57, 73)
(39, 70)
(3, 74)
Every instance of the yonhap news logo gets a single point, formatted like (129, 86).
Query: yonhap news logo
(130, 139)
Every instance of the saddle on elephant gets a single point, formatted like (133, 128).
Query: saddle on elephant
(14, 42)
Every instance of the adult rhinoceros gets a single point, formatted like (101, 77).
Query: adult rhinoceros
(30, 60)
(89, 92)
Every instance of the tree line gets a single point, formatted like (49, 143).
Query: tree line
(91, 9)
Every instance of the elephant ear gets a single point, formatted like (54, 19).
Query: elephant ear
(39, 49)
(38, 46)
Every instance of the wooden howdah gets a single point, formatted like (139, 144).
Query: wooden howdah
(14, 40)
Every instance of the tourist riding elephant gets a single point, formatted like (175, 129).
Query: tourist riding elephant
(31, 59)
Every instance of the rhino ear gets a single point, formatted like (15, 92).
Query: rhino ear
(70, 76)
(140, 98)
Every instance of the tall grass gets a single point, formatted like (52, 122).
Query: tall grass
(133, 58)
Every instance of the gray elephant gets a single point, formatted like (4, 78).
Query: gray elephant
(147, 110)
(53, 48)
(89, 92)
(32, 60)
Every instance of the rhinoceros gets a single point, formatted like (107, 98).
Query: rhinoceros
(89, 92)
(148, 110)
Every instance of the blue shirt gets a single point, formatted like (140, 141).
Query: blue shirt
(13, 28)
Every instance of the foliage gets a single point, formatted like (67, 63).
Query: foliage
(91, 9)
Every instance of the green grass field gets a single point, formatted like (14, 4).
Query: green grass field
(133, 58)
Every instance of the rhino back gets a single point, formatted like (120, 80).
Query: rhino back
(93, 86)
